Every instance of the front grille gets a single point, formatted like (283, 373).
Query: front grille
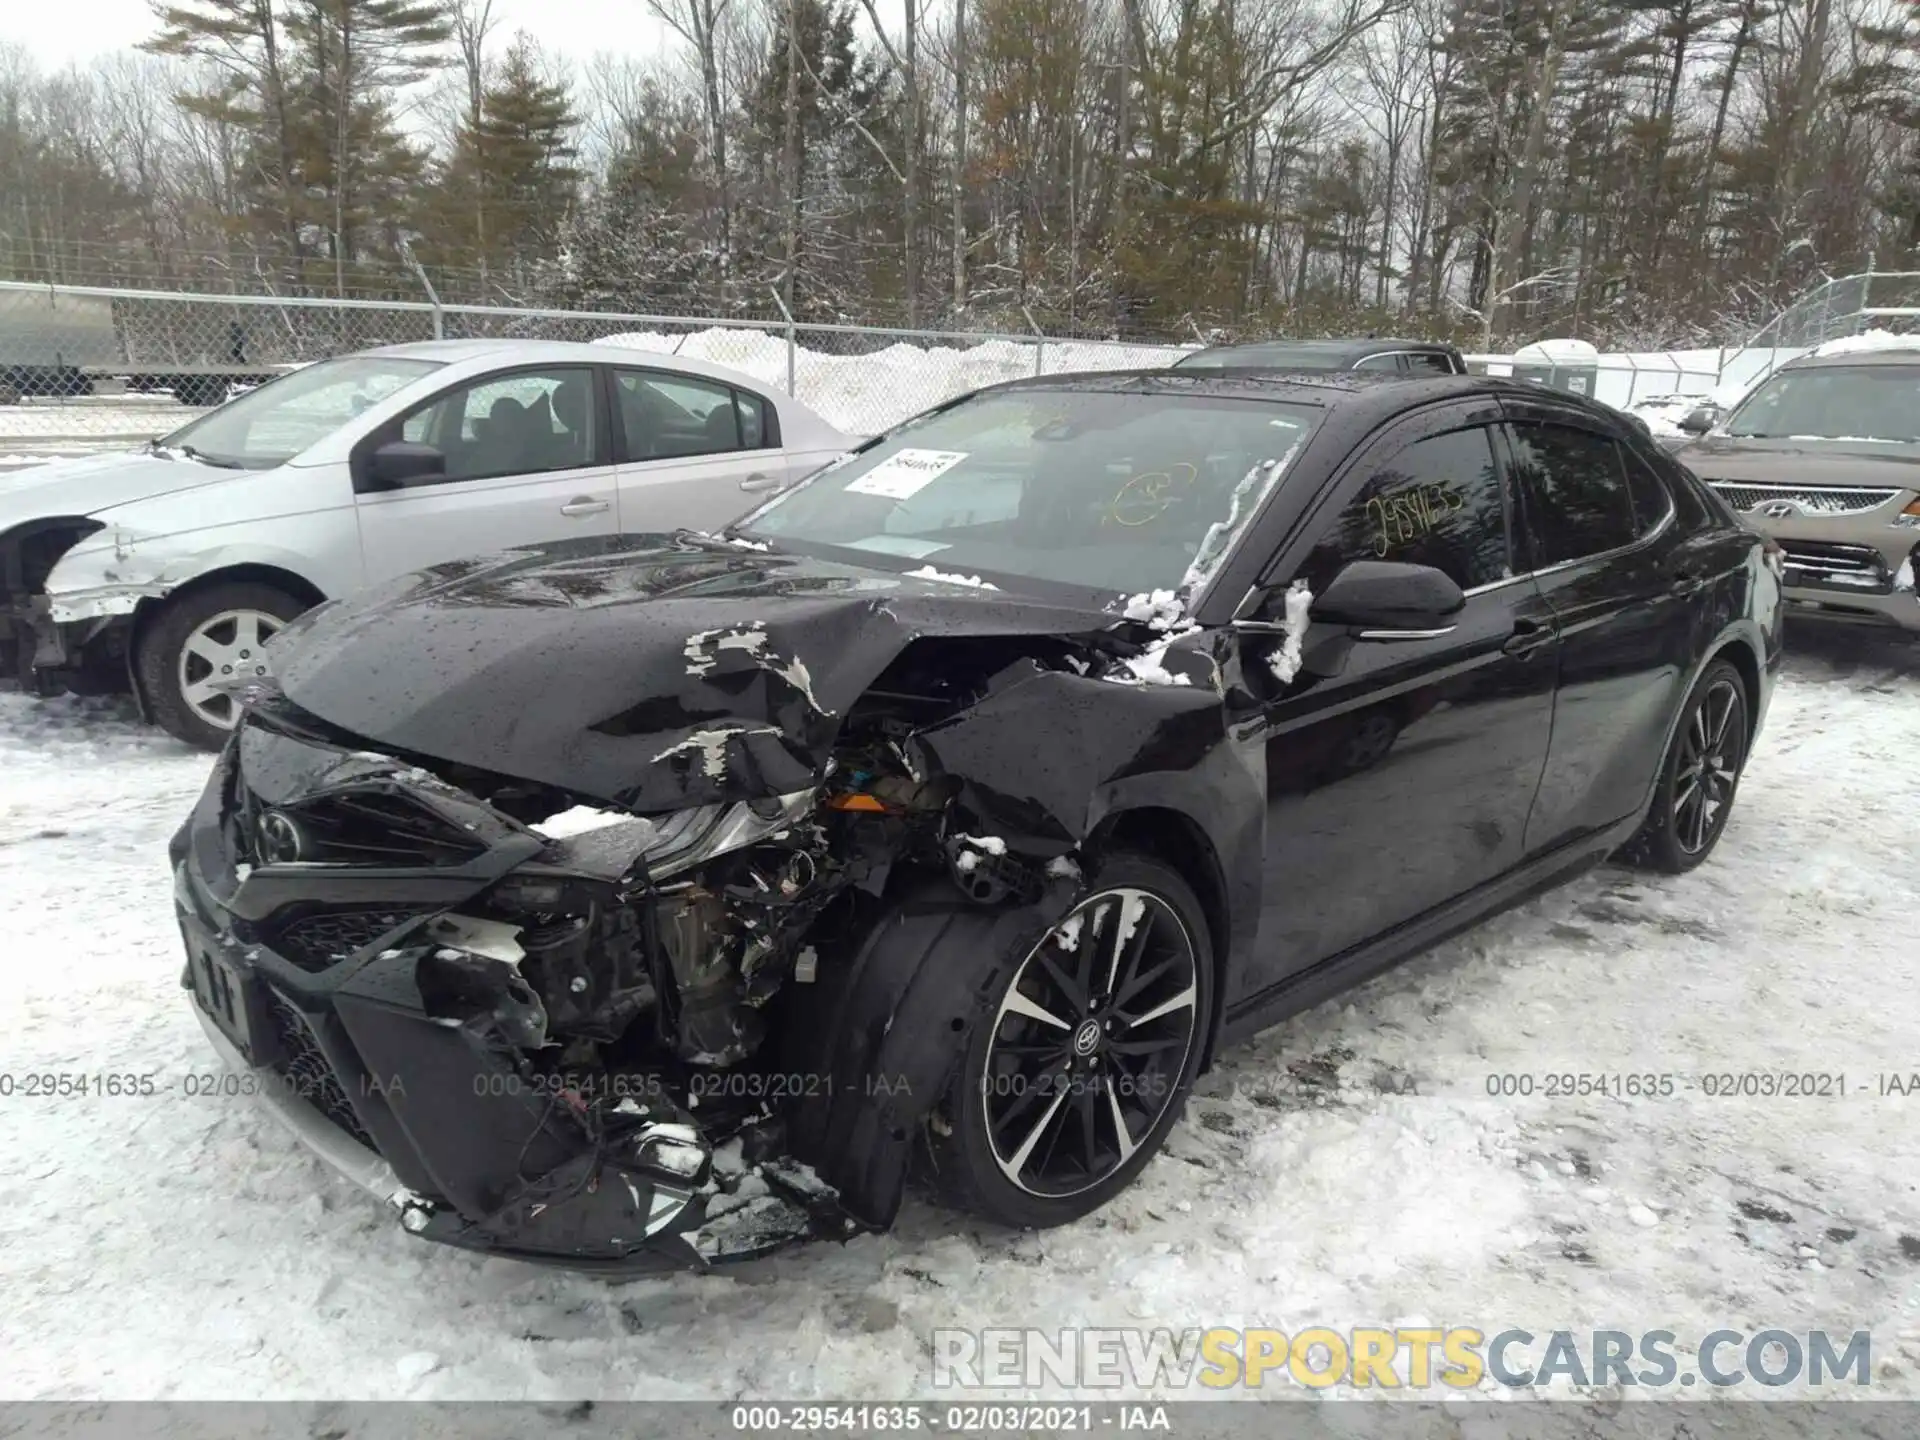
(318, 942)
(1842, 567)
(305, 1069)
(1813, 500)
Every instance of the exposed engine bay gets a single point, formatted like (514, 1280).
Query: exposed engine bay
(599, 1037)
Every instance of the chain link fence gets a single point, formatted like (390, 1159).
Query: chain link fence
(86, 367)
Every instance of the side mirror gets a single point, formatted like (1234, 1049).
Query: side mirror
(1698, 422)
(400, 463)
(1388, 595)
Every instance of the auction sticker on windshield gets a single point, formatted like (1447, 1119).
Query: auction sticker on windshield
(906, 473)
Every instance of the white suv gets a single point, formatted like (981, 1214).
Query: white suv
(165, 570)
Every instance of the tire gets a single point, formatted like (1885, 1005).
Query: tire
(984, 1155)
(167, 670)
(1694, 794)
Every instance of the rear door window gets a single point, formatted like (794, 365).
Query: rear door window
(1574, 488)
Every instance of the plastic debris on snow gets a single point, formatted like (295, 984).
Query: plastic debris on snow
(927, 572)
(1285, 661)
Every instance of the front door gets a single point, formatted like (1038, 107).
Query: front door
(528, 461)
(1401, 765)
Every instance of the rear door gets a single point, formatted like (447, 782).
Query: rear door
(1401, 765)
(528, 461)
(694, 453)
(1619, 580)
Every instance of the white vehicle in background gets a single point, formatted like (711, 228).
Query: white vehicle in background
(165, 570)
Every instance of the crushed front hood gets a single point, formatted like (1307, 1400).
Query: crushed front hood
(647, 671)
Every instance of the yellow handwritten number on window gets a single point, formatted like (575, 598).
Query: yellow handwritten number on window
(1407, 516)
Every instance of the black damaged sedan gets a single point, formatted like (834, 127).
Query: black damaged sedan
(665, 900)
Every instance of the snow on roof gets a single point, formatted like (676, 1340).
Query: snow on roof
(1872, 340)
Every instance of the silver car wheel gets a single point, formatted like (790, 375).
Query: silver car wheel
(221, 652)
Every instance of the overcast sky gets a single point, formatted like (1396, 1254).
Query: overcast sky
(55, 33)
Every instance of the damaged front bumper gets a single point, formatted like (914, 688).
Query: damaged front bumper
(393, 1037)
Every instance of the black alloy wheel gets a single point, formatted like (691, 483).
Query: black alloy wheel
(1072, 1084)
(1701, 775)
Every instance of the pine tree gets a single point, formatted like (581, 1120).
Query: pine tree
(512, 177)
(352, 56)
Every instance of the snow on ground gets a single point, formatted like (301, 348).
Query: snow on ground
(188, 1248)
(39, 426)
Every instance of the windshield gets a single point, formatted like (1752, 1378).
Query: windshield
(271, 425)
(1855, 402)
(1043, 489)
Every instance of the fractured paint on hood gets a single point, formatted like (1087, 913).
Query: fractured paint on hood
(605, 667)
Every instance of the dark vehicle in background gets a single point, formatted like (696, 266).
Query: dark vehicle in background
(657, 901)
(1395, 357)
(1824, 457)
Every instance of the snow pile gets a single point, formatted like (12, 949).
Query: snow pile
(1148, 668)
(1157, 609)
(864, 394)
(973, 582)
(1285, 661)
(1245, 500)
(969, 859)
(580, 820)
(1871, 341)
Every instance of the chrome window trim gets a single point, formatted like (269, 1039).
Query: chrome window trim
(1406, 634)
(1638, 542)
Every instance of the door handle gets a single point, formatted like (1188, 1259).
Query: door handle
(1683, 579)
(760, 480)
(1529, 634)
(584, 505)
